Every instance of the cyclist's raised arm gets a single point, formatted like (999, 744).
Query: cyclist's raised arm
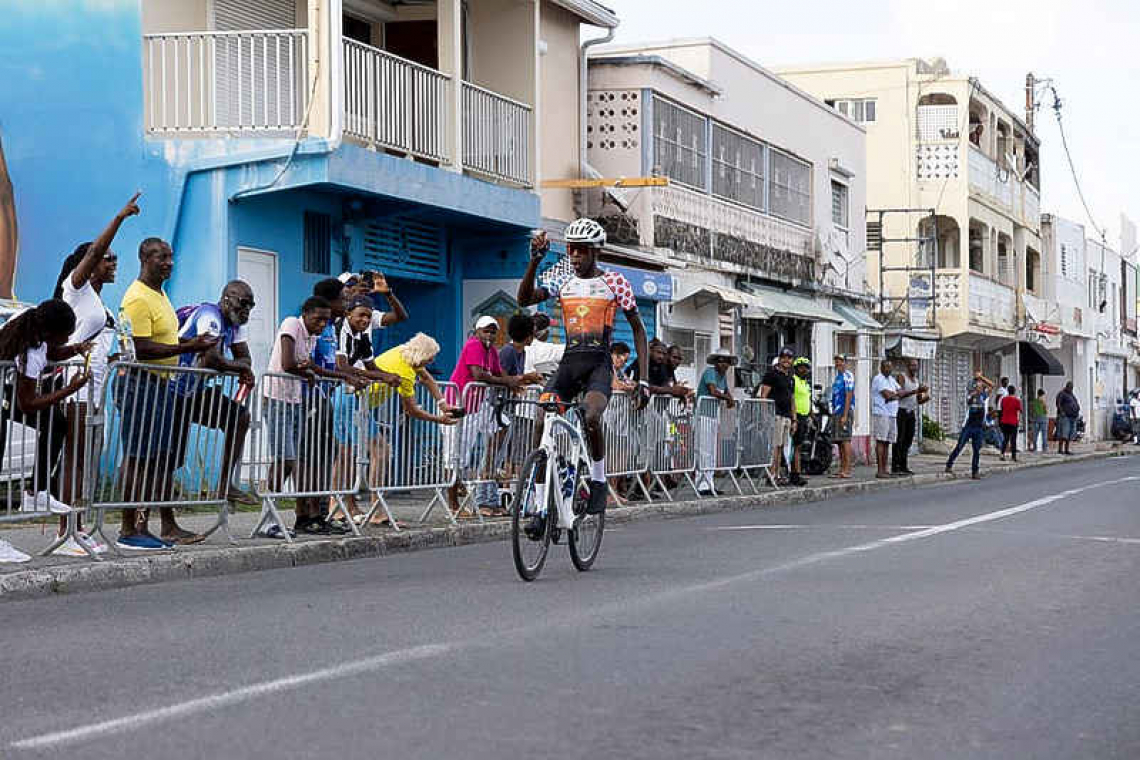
(529, 293)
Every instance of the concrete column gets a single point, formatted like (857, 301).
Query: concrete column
(449, 24)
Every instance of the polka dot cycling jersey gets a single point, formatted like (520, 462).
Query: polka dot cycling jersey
(589, 307)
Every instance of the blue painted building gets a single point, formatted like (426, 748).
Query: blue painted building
(391, 136)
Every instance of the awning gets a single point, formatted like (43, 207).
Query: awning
(855, 320)
(776, 303)
(912, 347)
(1038, 360)
(703, 293)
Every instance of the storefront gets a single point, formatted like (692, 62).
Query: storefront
(651, 289)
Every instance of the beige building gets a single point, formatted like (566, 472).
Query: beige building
(760, 225)
(962, 172)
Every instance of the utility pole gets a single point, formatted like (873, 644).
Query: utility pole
(1030, 100)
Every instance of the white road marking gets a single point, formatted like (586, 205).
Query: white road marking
(821, 525)
(401, 656)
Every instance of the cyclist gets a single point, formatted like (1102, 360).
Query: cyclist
(590, 297)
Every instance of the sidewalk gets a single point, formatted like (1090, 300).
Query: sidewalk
(46, 575)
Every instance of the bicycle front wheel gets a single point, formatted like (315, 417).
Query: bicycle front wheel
(586, 538)
(531, 522)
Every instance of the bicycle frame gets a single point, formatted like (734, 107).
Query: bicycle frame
(553, 425)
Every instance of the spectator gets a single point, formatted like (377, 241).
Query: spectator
(1068, 412)
(713, 385)
(1038, 422)
(408, 364)
(542, 356)
(974, 428)
(1134, 408)
(801, 407)
(478, 362)
(777, 385)
(912, 395)
(884, 414)
(211, 407)
(148, 406)
(619, 354)
(662, 381)
(81, 280)
(842, 414)
(373, 284)
(31, 339)
(512, 356)
(1010, 418)
(354, 357)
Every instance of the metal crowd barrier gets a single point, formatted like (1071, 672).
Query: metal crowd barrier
(718, 442)
(313, 439)
(43, 453)
(756, 419)
(626, 434)
(670, 440)
(404, 454)
(159, 437)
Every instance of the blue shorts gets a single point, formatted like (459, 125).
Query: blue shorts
(147, 407)
(346, 419)
(283, 427)
(1066, 428)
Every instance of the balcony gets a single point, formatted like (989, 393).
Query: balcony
(701, 227)
(257, 83)
(992, 181)
(992, 304)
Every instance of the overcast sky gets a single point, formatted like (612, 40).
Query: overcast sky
(1089, 48)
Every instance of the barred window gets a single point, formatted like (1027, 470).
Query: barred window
(679, 149)
(738, 167)
(790, 188)
(839, 204)
(317, 243)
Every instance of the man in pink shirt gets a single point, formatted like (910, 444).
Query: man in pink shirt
(478, 362)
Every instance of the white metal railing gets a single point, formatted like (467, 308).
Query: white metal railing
(987, 177)
(246, 81)
(394, 103)
(496, 135)
(992, 303)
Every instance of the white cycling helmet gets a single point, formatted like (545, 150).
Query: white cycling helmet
(586, 232)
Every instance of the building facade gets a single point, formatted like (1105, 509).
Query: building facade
(759, 225)
(953, 192)
(284, 141)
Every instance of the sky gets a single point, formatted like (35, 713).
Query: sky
(1088, 49)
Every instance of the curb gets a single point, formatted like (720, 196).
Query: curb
(114, 574)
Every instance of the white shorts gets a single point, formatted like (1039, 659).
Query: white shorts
(781, 431)
(884, 429)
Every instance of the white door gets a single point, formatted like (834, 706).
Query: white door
(259, 269)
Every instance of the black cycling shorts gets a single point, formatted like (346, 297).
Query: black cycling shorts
(580, 373)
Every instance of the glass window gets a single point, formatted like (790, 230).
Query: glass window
(839, 204)
(679, 149)
(738, 167)
(790, 188)
(843, 106)
(869, 111)
(857, 110)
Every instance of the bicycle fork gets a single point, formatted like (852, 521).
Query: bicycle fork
(560, 474)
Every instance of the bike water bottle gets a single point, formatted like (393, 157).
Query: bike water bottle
(568, 483)
(126, 337)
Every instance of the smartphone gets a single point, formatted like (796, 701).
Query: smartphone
(456, 413)
(87, 362)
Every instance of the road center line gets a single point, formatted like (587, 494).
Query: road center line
(428, 651)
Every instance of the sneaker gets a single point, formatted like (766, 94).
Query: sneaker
(274, 531)
(338, 528)
(70, 548)
(9, 553)
(796, 480)
(312, 527)
(597, 503)
(949, 469)
(91, 542)
(142, 542)
(43, 502)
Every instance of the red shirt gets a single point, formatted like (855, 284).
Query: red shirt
(1010, 407)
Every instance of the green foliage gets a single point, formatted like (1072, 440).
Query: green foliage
(931, 430)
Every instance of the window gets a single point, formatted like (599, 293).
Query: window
(861, 111)
(679, 150)
(695, 346)
(839, 204)
(318, 241)
(789, 194)
(738, 167)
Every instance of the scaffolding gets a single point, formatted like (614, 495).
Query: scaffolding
(899, 311)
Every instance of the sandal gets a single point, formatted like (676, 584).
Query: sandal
(386, 523)
(493, 512)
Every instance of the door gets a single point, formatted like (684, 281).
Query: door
(259, 269)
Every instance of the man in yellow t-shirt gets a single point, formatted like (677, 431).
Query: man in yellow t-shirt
(801, 405)
(147, 404)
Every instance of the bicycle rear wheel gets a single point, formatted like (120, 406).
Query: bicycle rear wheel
(531, 522)
(586, 538)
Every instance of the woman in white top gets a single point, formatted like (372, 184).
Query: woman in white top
(81, 280)
(31, 340)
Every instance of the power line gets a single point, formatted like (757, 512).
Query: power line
(1072, 167)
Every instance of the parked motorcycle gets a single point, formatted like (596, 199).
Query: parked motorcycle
(815, 451)
(1121, 428)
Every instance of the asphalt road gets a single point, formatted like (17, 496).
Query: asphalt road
(992, 619)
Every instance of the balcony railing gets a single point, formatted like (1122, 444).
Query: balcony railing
(203, 82)
(496, 135)
(394, 103)
(992, 304)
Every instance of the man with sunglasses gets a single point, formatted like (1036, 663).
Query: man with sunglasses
(208, 404)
